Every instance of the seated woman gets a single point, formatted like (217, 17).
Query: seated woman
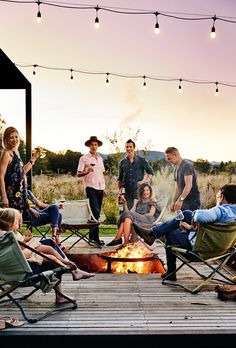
(40, 213)
(9, 221)
(144, 212)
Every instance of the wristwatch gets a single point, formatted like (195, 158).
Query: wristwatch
(181, 199)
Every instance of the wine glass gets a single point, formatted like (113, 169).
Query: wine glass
(40, 150)
(179, 215)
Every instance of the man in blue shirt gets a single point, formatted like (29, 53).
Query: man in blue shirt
(131, 173)
(223, 212)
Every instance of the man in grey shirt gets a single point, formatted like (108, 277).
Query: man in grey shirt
(186, 196)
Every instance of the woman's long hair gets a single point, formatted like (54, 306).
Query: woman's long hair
(6, 136)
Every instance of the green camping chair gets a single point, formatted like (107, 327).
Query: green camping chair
(214, 246)
(15, 272)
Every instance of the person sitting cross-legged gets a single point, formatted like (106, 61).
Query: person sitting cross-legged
(223, 212)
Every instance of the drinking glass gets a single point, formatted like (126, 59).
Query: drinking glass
(179, 215)
(40, 150)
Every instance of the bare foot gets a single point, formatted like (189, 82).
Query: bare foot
(78, 274)
(70, 263)
(62, 300)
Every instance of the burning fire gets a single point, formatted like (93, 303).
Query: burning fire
(134, 251)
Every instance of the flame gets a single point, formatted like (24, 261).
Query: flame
(136, 250)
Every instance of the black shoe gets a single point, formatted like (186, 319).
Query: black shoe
(169, 277)
(115, 242)
(146, 234)
(97, 241)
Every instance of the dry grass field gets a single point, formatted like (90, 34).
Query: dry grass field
(49, 188)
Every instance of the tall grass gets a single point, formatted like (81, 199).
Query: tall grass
(49, 188)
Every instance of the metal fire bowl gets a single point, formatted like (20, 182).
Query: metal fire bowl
(111, 259)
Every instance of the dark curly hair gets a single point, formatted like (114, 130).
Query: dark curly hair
(229, 192)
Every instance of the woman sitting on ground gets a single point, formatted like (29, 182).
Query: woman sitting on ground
(9, 221)
(144, 212)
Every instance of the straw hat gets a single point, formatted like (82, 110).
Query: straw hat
(93, 138)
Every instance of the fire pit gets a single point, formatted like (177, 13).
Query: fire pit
(134, 258)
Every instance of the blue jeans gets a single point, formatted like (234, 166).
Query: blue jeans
(95, 200)
(174, 236)
(50, 215)
(53, 244)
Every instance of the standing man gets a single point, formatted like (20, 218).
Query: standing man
(187, 196)
(131, 173)
(91, 168)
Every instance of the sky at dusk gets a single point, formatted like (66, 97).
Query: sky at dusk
(65, 112)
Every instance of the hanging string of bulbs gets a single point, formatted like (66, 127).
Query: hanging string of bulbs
(144, 78)
(129, 11)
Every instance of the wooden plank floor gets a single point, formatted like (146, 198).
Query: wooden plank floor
(128, 304)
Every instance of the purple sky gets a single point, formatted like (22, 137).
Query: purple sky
(65, 114)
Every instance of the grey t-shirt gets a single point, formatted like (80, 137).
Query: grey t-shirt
(192, 201)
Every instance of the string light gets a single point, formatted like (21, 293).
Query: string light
(71, 74)
(143, 77)
(129, 11)
(96, 23)
(107, 80)
(157, 27)
(213, 29)
(217, 90)
(39, 17)
(180, 87)
(144, 82)
(35, 66)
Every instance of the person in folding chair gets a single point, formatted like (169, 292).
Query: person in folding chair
(39, 256)
(144, 211)
(39, 213)
(223, 212)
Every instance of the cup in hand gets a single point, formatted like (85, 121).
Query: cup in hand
(179, 215)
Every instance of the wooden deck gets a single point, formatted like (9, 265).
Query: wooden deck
(128, 304)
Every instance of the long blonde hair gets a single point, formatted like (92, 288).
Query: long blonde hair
(6, 136)
(8, 217)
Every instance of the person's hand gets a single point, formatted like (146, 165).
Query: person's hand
(35, 212)
(28, 235)
(5, 203)
(139, 183)
(177, 205)
(88, 169)
(184, 226)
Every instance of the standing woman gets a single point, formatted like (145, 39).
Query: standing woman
(12, 171)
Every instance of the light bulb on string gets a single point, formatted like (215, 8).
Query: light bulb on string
(144, 82)
(35, 66)
(213, 29)
(71, 74)
(180, 87)
(96, 23)
(217, 90)
(157, 27)
(107, 80)
(39, 17)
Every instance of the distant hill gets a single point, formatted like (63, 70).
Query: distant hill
(151, 155)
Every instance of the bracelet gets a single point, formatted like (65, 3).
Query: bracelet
(31, 161)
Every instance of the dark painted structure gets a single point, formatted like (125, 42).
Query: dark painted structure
(12, 78)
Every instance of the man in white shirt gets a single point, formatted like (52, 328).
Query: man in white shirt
(91, 168)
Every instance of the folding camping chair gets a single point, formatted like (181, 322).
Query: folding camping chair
(77, 215)
(15, 273)
(214, 246)
(43, 230)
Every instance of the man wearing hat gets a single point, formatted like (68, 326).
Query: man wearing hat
(91, 168)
